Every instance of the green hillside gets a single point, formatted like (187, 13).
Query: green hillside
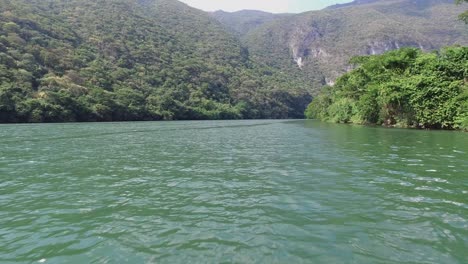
(316, 46)
(107, 60)
(244, 21)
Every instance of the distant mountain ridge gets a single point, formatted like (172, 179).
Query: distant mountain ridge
(244, 21)
(366, 2)
(354, 3)
(317, 45)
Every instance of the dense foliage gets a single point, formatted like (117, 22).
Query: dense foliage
(108, 60)
(406, 88)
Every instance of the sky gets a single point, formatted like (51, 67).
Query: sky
(273, 6)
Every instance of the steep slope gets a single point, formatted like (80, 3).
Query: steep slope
(244, 21)
(318, 45)
(83, 60)
(420, 3)
(353, 3)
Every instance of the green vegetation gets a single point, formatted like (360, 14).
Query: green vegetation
(116, 60)
(244, 21)
(112, 60)
(405, 88)
(463, 16)
(325, 40)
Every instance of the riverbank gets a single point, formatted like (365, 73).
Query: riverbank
(402, 88)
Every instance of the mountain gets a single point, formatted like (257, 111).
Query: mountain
(112, 60)
(353, 3)
(420, 3)
(244, 21)
(108, 60)
(316, 46)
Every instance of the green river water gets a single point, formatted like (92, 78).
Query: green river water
(232, 192)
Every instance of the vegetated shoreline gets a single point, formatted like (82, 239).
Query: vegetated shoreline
(265, 119)
(127, 60)
(143, 121)
(404, 88)
(416, 128)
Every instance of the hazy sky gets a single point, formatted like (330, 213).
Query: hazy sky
(275, 6)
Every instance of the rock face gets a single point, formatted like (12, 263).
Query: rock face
(304, 48)
(379, 47)
(318, 45)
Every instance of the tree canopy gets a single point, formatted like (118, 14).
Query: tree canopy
(405, 88)
(112, 60)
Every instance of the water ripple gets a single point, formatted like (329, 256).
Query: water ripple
(239, 191)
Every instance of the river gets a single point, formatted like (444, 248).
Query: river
(269, 191)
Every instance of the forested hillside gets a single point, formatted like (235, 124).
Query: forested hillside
(108, 60)
(244, 21)
(404, 88)
(113, 60)
(316, 46)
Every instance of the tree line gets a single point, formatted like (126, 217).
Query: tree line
(404, 88)
(122, 60)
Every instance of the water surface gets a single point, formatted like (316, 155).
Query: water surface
(232, 192)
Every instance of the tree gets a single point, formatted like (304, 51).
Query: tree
(405, 88)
